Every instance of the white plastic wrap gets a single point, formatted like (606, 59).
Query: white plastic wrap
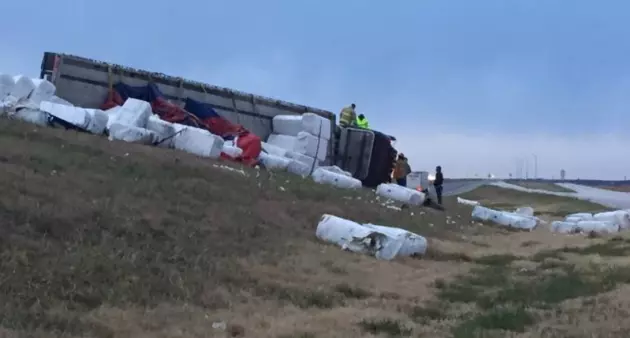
(323, 176)
(22, 88)
(504, 218)
(309, 161)
(600, 227)
(74, 115)
(619, 217)
(401, 194)
(163, 130)
(112, 115)
(355, 237)
(32, 115)
(304, 143)
(467, 202)
(125, 133)
(311, 123)
(582, 216)
(312, 146)
(98, 121)
(574, 219)
(274, 162)
(135, 113)
(57, 99)
(564, 227)
(274, 150)
(44, 91)
(336, 169)
(525, 211)
(413, 244)
(298, 168)
(199, 142)
(232, 151)
(6, 85)
(287, 142)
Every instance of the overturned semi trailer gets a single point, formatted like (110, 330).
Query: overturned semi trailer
(84, 82)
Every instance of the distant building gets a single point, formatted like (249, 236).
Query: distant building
(562, 174)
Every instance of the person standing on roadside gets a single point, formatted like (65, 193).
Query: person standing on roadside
(437, 183)
(401, 170)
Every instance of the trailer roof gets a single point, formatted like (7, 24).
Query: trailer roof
(177, 81)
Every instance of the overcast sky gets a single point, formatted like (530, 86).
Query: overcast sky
(469, 85)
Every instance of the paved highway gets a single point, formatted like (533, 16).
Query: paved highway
(452, 188)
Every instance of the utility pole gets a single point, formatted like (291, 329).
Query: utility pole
(535, 166)
(526, 169)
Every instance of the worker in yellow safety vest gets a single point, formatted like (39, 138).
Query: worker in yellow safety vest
(362, 122)
(347, 117)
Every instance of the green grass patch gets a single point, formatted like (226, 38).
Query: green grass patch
(389, 327)
(515, 319)
(502, 260)
(352, 291)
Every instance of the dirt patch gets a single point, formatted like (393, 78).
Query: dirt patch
(620, 188)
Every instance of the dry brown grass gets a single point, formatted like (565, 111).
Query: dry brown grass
(108, 239)
(620, 188)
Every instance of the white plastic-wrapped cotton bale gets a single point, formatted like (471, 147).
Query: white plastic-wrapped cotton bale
(298, 168)
(308, 122)
(274, 162)
(112, 115)
(57, 99)
(274, 150)
(312, 146)
(582, 216)
(22, 88)
(199, 142)
(600, 227)
(619, 217)
(163, 130)
(352, 236)
(6, 85)
(323, 176)
(134, 113)
(564, 227)
(309, 161)
(44, 90)
(336, 169)
(504, 218)
(121, 132)
(231, 150)
(286, 142)
(467, 202)
(76, 116)
(400, 194)
(31, 115)
(98, 121)
(413, 244)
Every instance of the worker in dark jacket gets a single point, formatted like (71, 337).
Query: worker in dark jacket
(401, 170)
(437, 183)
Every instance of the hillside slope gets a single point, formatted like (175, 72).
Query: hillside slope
(92, 229)
(110, 239)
